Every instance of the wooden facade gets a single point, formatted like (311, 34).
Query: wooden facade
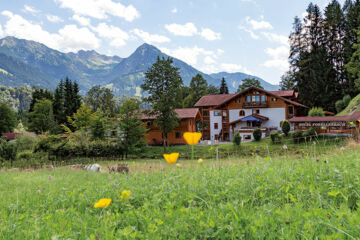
(189, 120)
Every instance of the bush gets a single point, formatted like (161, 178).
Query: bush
(297, 136)
(8, 151)
(275, 137)
(26, 141)
(310, 134)
(346, 100)
(257, 133)
(237, 139)
(339, 105)
(285, 127)
(28, 159)
(316, 112)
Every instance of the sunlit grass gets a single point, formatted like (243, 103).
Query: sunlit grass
(286, 197)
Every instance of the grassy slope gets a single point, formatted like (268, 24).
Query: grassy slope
(286, 197)
(354, 106)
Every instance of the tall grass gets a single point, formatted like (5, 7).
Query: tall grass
(284, 197)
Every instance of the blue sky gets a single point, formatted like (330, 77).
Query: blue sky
(212, 35)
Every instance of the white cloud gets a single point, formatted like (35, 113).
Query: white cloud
(273, 37)
(186, 30)
(117, 36)
(100, 9)
(30, 9)
(150, 38)
(279, 58)
(252, 34)
(210, 35)
(209, 60)
(256, 25)
(73, 38)
(174, 10)
(187, 54)
(1, 31)
(53, 18)
(189, 29)
(69, 38)
(81, 20)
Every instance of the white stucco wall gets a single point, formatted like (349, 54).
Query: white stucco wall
(215, 119)
(234, 114)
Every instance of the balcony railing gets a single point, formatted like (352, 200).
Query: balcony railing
(254, 104)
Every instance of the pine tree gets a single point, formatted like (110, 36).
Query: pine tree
(76, 97)
(39, 94)
(68, 97)
(59, 104)
(223, 87)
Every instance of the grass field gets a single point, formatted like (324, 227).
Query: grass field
(286, 197)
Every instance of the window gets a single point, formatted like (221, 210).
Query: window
(263, 98)
(247, 137)
(205, 112)
(253, 98)
(149, 123)
(216, 113)
(248, 98)
(274, 99)
(256, 111)
(206, 125)
(290, 110)
(257, 97)
(177, 135)
(216, 126)
(242, 113)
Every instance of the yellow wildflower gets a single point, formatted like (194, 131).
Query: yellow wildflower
(178, 165)
(125, 194)
(253, 153)
(200, 161)
(171, 158)
(351, 123)
(102, 203)
(192, 138)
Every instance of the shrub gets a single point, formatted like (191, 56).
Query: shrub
(275, 137)
(31, 160)
(26, 141)
(310, 134)
(8, 151)
(316, 112)
(237, 139)
(285, 127)
(346, 100)
(297, 136)
(339, 105)
(257, 133)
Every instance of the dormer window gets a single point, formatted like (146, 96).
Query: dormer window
(242, 113)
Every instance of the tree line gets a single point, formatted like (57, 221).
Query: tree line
(324, 55)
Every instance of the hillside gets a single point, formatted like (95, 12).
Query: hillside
(24, 62)
(354, 106)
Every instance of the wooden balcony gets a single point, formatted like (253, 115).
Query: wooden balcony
(255, 104)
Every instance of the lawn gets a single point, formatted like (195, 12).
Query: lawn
(253, 197)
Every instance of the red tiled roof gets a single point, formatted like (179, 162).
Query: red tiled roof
(284, 93)
(182, 113)
(10, 136)
(269, 93)
(213, 100)
(353, 117)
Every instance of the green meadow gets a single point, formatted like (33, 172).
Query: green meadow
(289, 196)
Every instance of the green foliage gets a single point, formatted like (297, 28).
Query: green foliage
(98, 128)
(223, 87)
(249, 82)
(42, 117)
(7, 119)
(339, 105)
(275, 137)
(131, 128)
(257, 133)
(101, 99)
(237, 139)
(285, 127)
(40, 94)
(198, 88)
(162, 82)
(346, 100)
(310, 134)
(8, 151)
(287, 81)
(26, 141)
(213, 90)
(18, 98)
(83, 118)
(297, 137)
(316, 112)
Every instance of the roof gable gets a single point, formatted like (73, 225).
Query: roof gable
(182, 113)
(213, 100)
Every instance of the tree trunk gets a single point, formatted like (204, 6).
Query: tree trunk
(164, 142)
